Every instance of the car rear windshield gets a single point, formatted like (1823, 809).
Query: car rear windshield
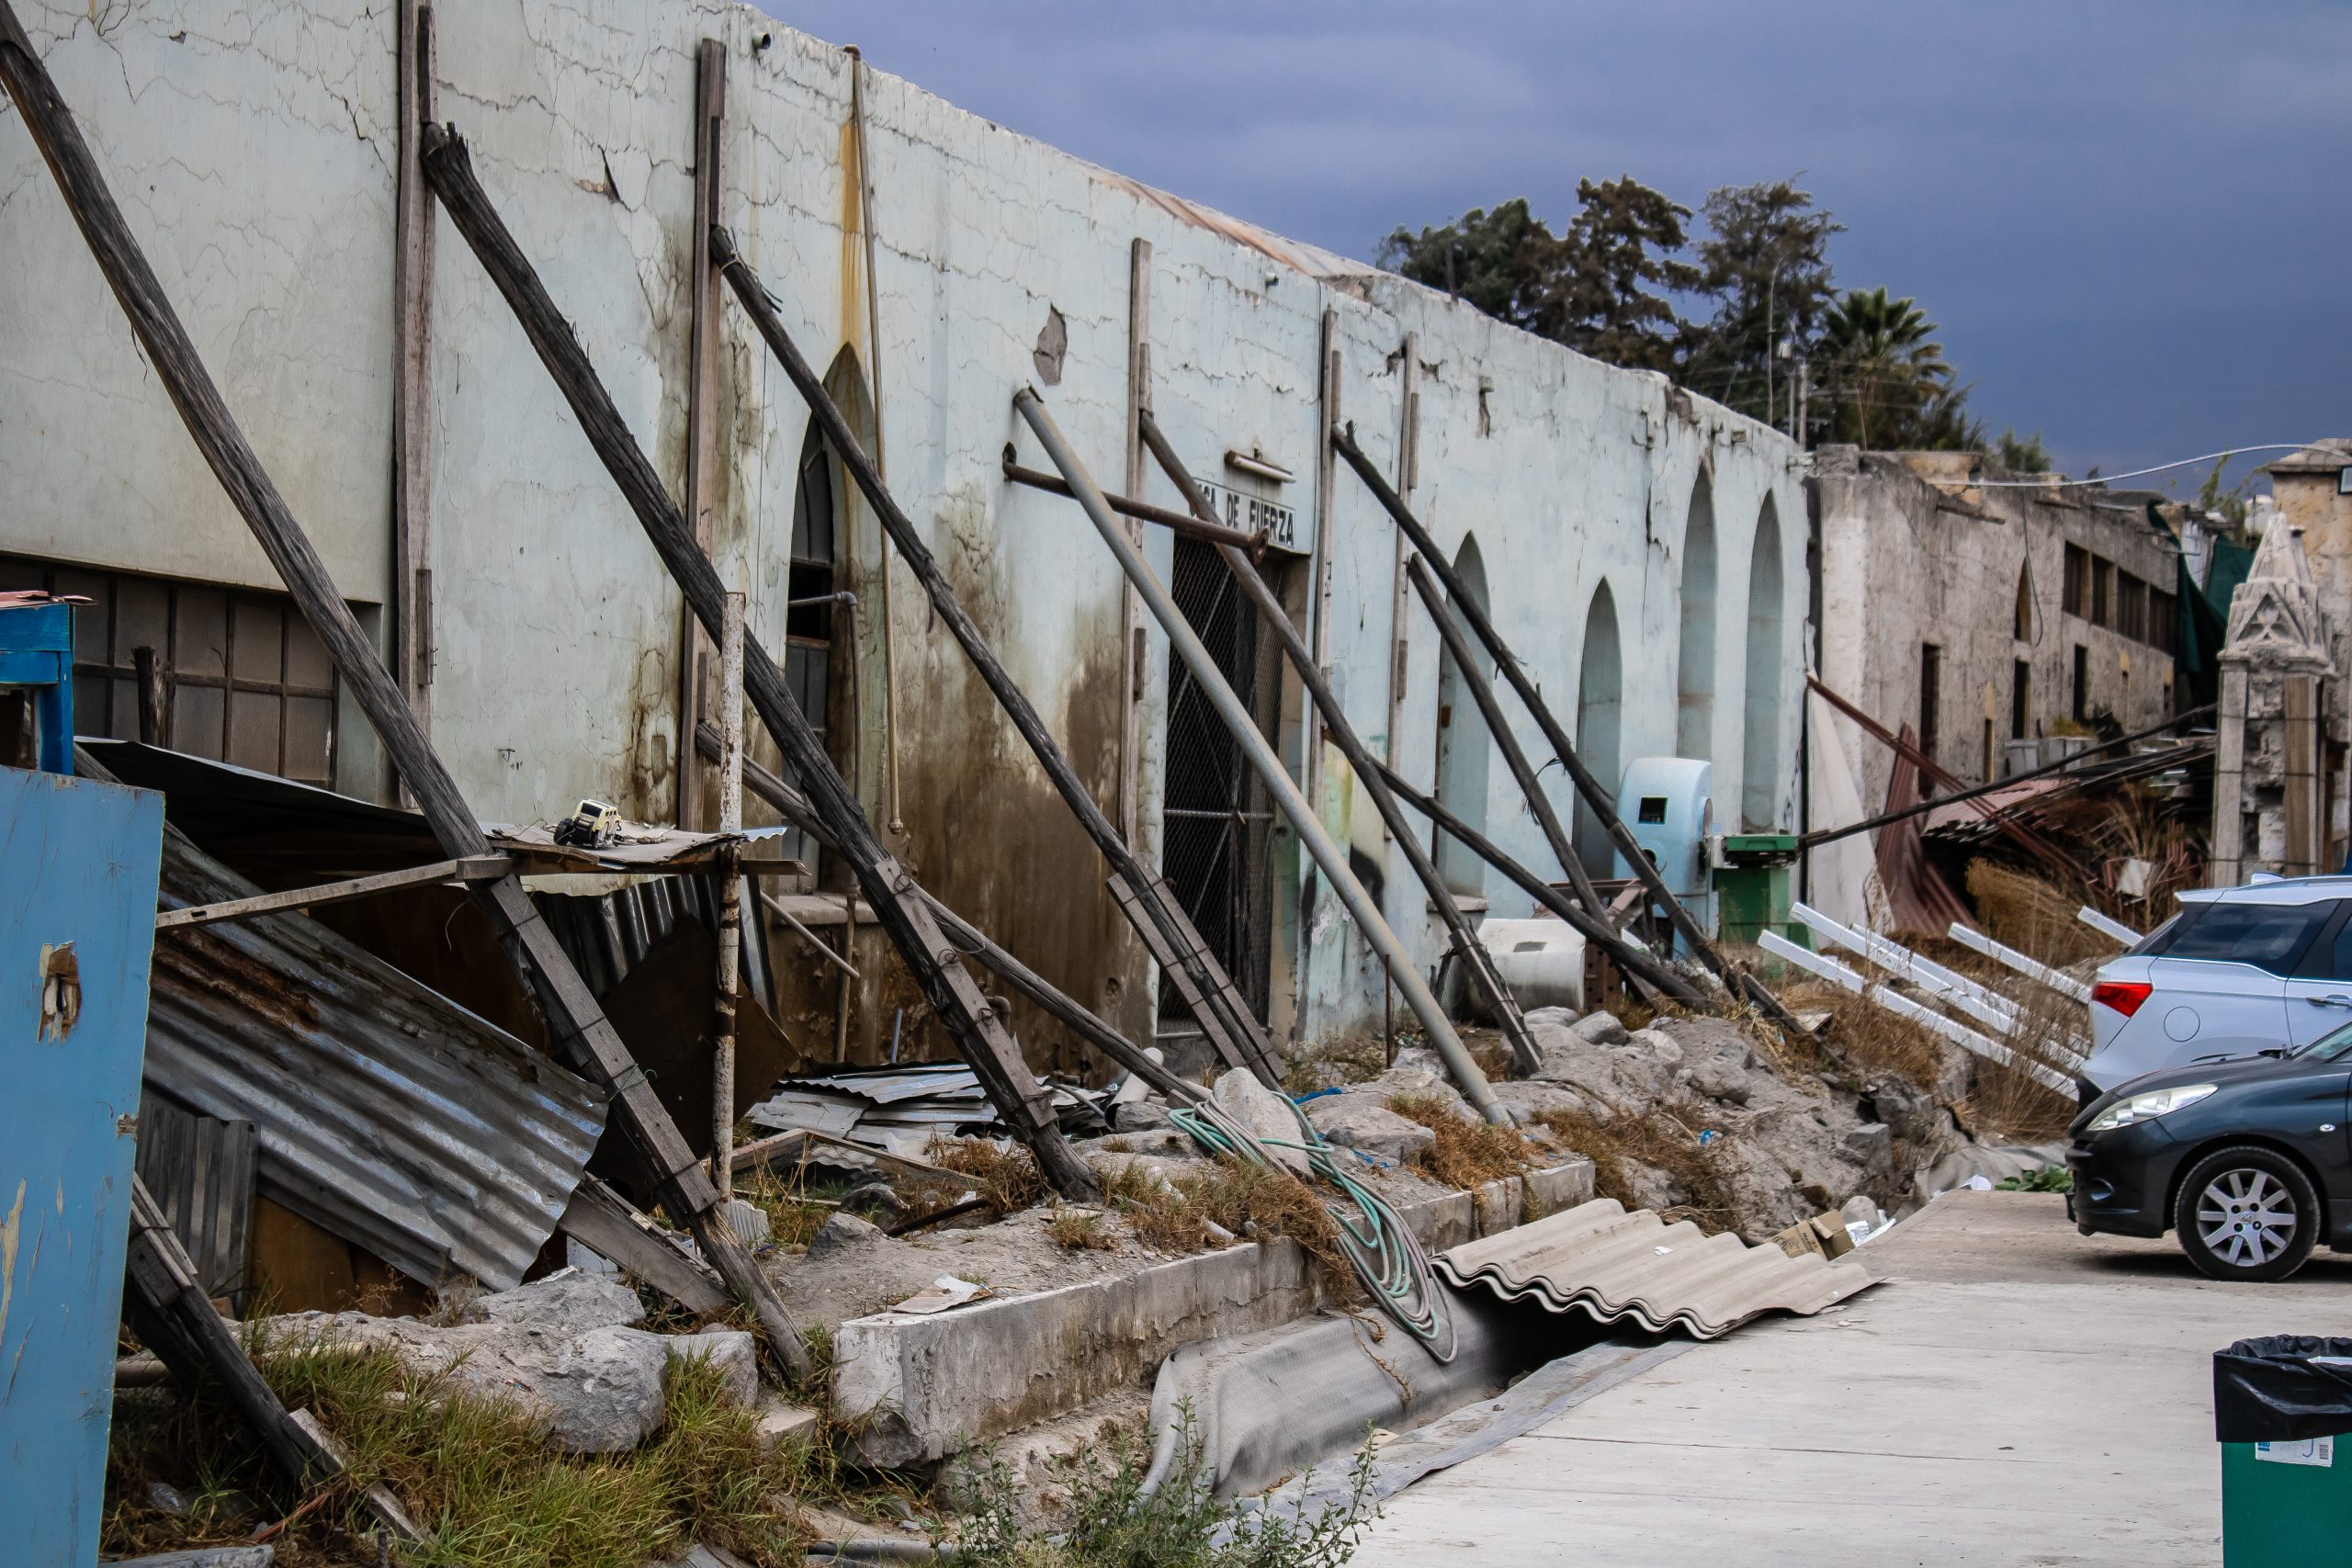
(2268, 936)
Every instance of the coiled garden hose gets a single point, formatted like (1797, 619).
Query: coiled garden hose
(1379, 1246)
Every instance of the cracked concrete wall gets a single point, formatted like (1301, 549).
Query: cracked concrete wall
(256, 162)
(1907, 563)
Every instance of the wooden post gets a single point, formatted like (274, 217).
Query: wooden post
(2225, 863)
(413, 373)
(979, 1033)
(1208, 992)
(151, 713)
(1327, 371)
(1408, 434)
(730, 909)
(2300, 803)
(1131, 636)
(574, 1021)
(1325, 705)
(701, 406)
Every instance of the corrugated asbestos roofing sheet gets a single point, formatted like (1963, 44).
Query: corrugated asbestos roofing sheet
(1618, 1265)
(386, 1113)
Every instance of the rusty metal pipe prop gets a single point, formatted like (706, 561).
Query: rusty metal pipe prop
(1831, 835)
(1190, 527)
(1343, 735)
(1303, 821)
(1604, 809)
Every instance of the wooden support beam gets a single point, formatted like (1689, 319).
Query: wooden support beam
(482, 868)
(605, 1224)
(1318, 631)
(412, 371)
(1474, 960)
(957, 1001)
(695, 648)
(1208, 992)
(1132, 648)
(1595, 798)
(1184, 523)
(574, 1021)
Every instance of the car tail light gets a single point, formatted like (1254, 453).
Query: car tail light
(2124, 995)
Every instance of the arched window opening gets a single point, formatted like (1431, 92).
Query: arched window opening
(1601, 689)
(1465, 746)
(1761, 759)
(2023, 628)
(1694, 714)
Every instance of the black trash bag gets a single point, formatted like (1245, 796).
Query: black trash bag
(2268, 1391)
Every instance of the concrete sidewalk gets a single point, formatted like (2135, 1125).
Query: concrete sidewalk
(2013, 1393)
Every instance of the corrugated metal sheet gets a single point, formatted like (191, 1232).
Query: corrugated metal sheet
(607, 935)
(387, 1113)
(1611, 1264)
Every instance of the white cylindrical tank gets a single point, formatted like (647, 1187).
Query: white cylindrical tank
(1540, 961)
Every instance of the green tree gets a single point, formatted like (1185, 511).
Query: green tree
(2021, 454)
(1601, 287)
(1887, 375)
(1764, 264)
(1500, 261)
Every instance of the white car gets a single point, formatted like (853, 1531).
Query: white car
(2238, 970)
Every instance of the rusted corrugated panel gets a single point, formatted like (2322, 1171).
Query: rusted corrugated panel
(387, 1113)
(1616, 1264)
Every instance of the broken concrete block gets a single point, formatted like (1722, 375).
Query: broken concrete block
(1722, 1081)
(1870, 1145)
(1911, 1112)
(562, 1305)
(601, 1392)
(1264, 1112)
(731, 1351)
(1600, 1028)
(1552, 1018)
(781, 1421)
(842, 1232)
(1139, 1116)
(1362, 1122)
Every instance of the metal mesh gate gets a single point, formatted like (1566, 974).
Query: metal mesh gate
(1216, 833)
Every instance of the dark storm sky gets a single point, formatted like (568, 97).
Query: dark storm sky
(2130, 221)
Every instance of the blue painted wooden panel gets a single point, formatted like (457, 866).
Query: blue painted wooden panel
(78, 864)
(36, 650)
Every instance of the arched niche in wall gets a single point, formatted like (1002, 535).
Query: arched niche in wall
(1694, 678)
(1761, 759)
(1464, 744)
(832, 649)
(1601, 700)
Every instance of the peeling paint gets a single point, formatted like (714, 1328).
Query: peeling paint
(10, 1234)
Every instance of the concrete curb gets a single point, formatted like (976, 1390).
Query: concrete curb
(916, 1388)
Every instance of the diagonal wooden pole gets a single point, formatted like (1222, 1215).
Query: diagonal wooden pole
(979, 1034)
(577, 1023)
(1595, 798)
(1209, 994)
(1467, 948)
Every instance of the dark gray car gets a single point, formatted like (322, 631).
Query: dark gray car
(2247, 1159)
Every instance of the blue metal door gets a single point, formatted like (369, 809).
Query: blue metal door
(78, 863)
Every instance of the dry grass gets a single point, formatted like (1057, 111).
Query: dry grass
(1006, 1177)
(1465, 1154)
(2034, 916)
(793, 1217)
(481, 1478)
(1080, 1230)
(1660, 1139)
(1334, 1060)
(1867, 1039)
(1242, 1198)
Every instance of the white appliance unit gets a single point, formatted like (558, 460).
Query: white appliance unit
(1667, 804)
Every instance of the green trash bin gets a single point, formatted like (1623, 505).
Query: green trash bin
(2282, 1409)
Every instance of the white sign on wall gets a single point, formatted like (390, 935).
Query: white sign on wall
(1253, 513)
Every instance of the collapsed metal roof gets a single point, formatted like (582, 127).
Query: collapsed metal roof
(1614, 1265)
(387, 1113)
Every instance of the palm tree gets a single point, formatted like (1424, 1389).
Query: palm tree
(1894, 387)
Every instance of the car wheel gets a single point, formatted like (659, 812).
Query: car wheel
(2247, 1213)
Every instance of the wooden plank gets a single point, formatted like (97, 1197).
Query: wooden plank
(1326, 369)
(479, 868)
(412, 371)
(574, 1019)
(702, 399)
(1132, 660)
(603, 1221)
(953, 995)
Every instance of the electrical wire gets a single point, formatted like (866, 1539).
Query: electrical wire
(2051, 482)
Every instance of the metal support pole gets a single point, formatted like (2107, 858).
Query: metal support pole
(730, 905)
(1211, 681)
(1466, 946)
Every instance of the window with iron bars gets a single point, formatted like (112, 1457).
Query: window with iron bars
(245, 680)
